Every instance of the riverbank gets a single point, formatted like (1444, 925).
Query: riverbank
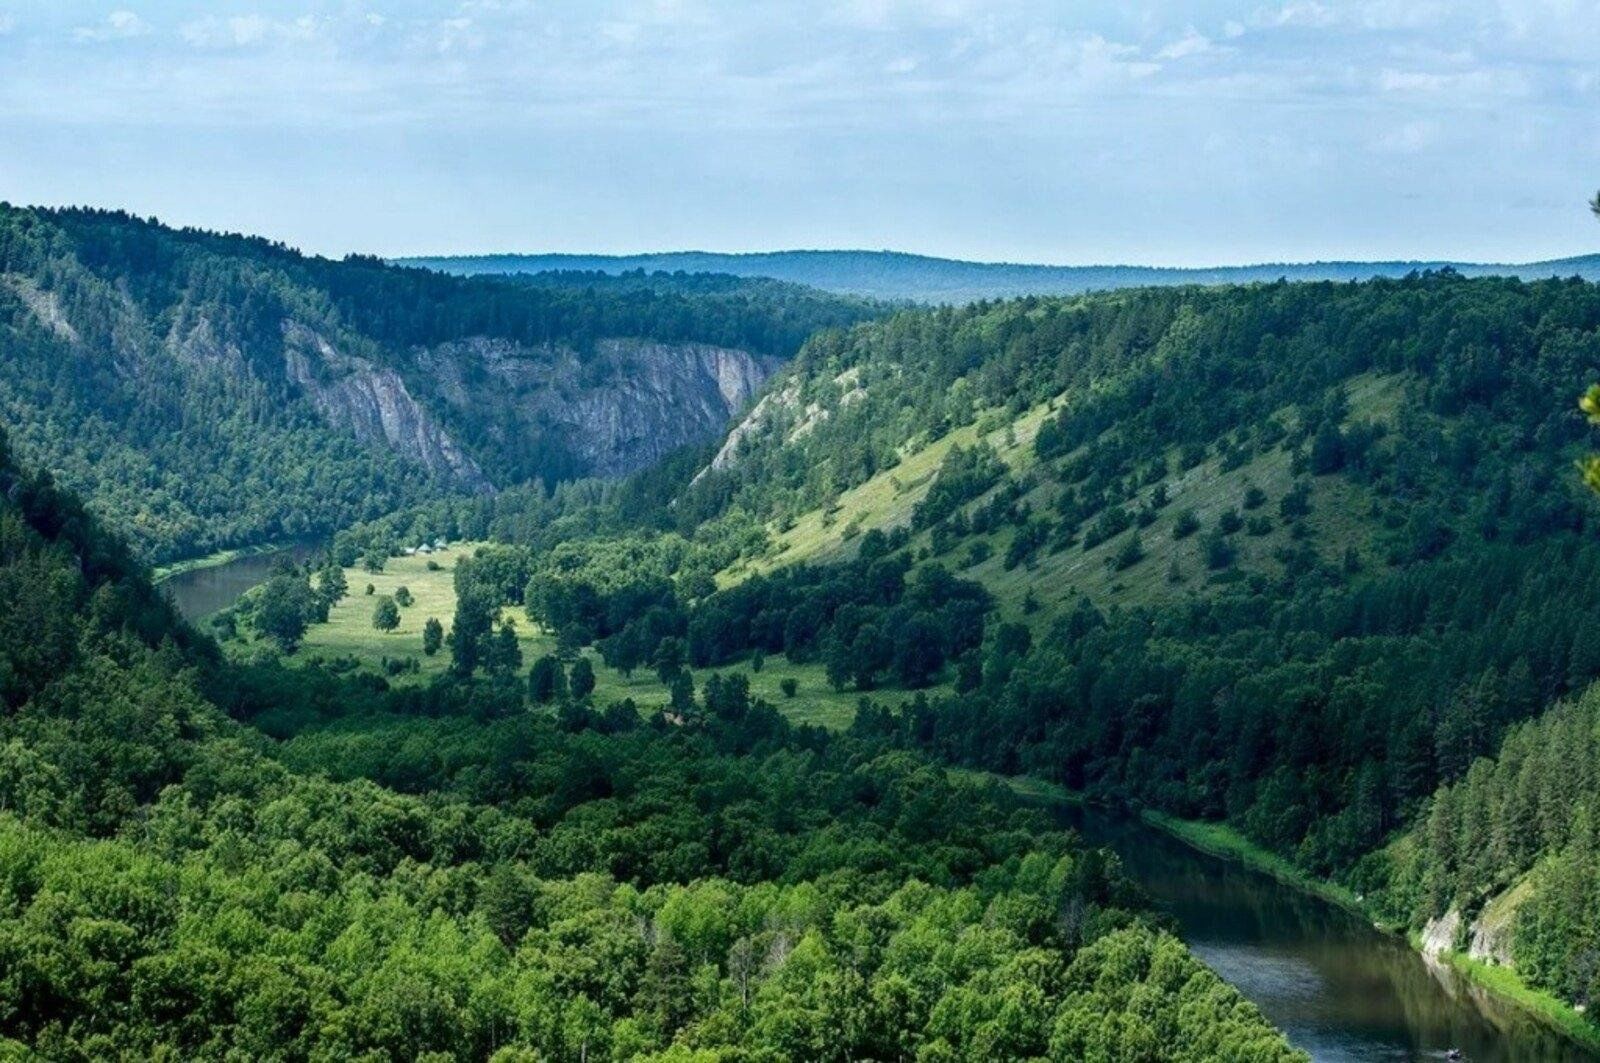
(1503, 982)
(1221, 840)
(161, 573)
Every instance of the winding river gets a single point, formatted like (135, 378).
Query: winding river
(1340, 989)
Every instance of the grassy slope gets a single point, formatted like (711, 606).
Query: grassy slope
(1338, 519)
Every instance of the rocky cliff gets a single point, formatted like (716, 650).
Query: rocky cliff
(373, 404)
(614, 409)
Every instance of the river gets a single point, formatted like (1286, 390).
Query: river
(1339, 988)
(202, 591)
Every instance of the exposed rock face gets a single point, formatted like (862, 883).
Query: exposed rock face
(617, 410)
(46, 307)
(1488, 936)
(1439, 935)
(372, 402)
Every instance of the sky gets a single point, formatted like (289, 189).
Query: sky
(1171, 133)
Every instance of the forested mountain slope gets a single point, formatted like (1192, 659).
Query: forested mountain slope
(445, 874)
(1289, 555)
(895, 275)
(210, 391)
(1505, 864)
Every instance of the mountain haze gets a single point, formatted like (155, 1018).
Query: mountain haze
(895, 275)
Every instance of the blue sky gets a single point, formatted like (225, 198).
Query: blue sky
(1164, 132)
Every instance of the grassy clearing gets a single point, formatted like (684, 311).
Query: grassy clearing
(349, 633)
(887, 499)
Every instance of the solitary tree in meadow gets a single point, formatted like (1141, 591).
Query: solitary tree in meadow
(386, 614)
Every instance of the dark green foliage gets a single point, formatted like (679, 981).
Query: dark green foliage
(281, 608)
(1531, 812)
(166, 373)
(581, 680)
(385, 614)
(432, 636)
(423, 875)
(1130, 553)
(964, 474)
(1187, 524)
(547, 680)
(402, 597)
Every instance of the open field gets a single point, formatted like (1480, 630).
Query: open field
(349, 634)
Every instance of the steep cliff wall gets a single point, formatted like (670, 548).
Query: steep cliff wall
(373, 404)
(614, 409)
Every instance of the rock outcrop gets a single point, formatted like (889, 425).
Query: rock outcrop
(617, 408)
(373, 404)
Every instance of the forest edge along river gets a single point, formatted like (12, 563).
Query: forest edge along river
(1337, 986)
(205, 588)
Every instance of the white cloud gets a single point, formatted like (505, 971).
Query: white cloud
(119, 25)
(245, 31)
(1191, 43)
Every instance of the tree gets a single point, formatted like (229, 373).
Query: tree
(581, 679)
(386, 615)
(503, 655)
(432, 636)
(668, 658)
(281, 608)
(331, 583)
(681, 692)
(470, 630)
(546, 679)
(402, 597)
(918, 655)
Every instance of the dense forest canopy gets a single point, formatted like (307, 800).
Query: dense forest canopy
(1292, 557)
(208, 391)
(443, 874)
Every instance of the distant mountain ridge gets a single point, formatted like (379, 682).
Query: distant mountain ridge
(922, 278)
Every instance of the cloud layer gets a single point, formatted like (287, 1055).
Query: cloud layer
(1173, 132)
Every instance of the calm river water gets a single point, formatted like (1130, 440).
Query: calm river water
(1339, 988)
(203, 591)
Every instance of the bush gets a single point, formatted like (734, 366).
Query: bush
(789, 685)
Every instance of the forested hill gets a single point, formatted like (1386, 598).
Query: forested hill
(894, 275)
(208, 391)
(1291, 554)
(447, 875)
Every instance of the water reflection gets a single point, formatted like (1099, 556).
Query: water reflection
(204, 591)
(1339, 988)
